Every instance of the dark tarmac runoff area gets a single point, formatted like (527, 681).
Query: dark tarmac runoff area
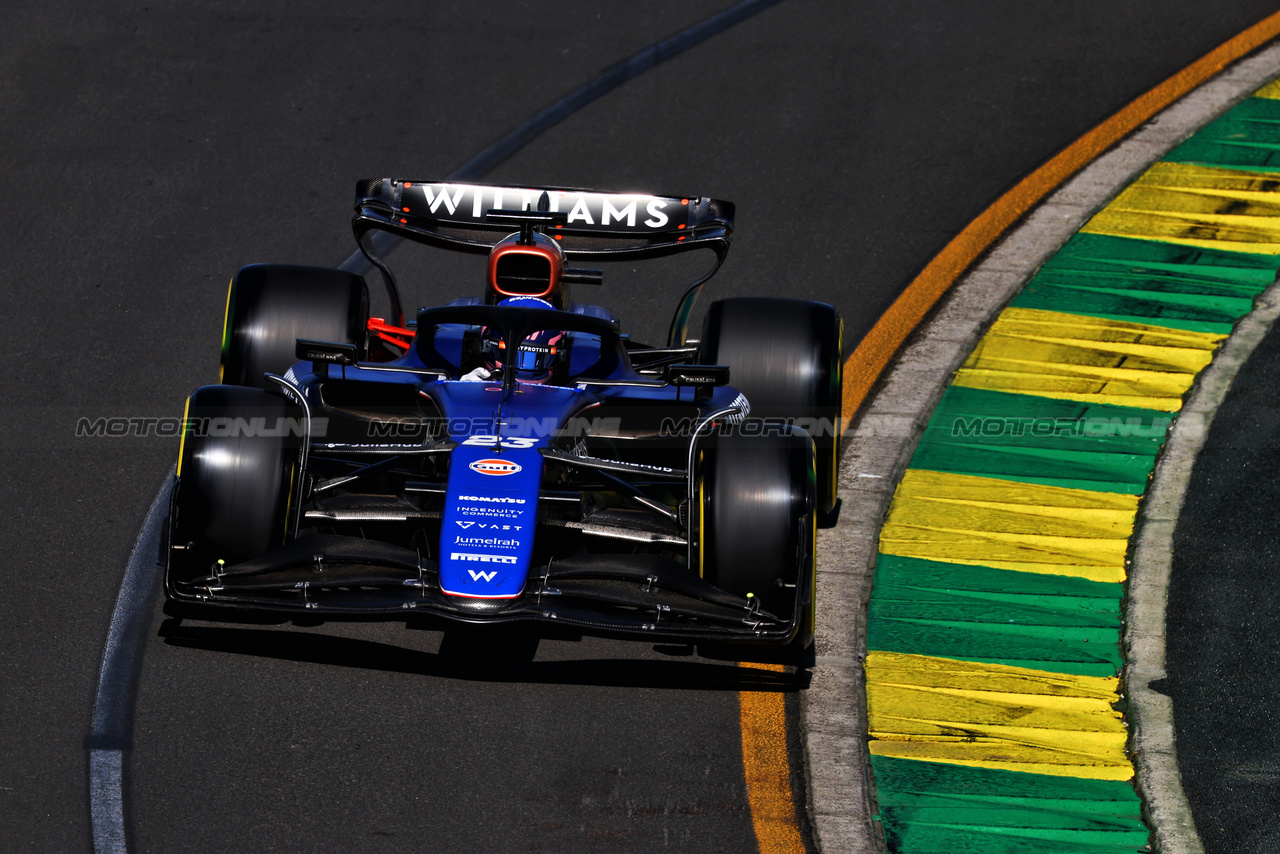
(150, 149)
(1223, 619)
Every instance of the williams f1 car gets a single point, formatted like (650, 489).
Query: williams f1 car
(512, 457)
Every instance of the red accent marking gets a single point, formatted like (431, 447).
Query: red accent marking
(479, 595)
(681, 225)
(684, 201)
(558, 237)
(406, 210)
(402, 219)
(407, 184)
(395, 342)
(396, 335)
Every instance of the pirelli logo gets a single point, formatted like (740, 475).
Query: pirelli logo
(482, 558)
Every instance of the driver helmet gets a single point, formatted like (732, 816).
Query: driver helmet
(536, 357)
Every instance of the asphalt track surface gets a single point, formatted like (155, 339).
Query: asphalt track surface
(1223, 622)
(152, 150)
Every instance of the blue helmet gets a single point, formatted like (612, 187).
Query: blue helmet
(538, 354)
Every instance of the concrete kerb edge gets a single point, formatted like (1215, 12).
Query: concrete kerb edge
(880, 441)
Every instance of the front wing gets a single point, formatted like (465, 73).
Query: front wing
(631, 595)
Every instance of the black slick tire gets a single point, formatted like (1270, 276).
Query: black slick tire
(271, 306)
(785, 356)
(756, 529)
(235, 475)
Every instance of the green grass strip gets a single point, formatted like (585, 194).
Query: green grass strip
(1032, 439)
(997, 616)
(1143, 281)
(1246, 137)
(936, 808)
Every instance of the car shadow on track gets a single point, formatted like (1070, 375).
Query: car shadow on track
(487, 662)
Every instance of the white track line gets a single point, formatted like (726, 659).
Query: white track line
(117, 680)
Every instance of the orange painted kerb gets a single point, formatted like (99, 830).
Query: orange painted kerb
(873, 353)
(774, 813)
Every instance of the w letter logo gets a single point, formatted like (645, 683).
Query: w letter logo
(477, 575)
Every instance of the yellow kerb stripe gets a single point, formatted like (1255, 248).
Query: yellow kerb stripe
(994, 716)
(1271, 90)
(1008, 525)
(1090, 359)
(1196, 206)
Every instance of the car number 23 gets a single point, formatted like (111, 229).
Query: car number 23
(509, 442)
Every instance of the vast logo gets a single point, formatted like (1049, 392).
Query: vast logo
(495, 468)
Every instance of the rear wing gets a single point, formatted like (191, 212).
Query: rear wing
(604, 226)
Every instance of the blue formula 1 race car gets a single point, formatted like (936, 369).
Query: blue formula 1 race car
(512, 457)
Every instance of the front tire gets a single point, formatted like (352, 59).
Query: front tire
(756, 530)
(271, 306)
(786, 356)
(235, 475)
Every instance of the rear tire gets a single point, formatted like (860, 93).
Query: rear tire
(271, 306)
(234, 477)
(785, 355)
(756, 532)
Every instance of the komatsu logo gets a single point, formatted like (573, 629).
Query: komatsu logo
(495, 468)
(472, 556)
(492, 499)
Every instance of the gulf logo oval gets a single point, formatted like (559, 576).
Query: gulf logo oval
(495, 468)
